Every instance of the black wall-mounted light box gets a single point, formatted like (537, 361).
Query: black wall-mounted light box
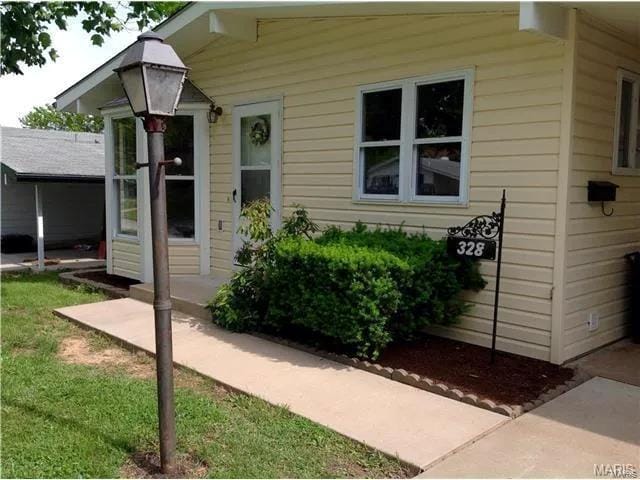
(601, 191)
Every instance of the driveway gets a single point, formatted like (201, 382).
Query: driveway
(594, 425)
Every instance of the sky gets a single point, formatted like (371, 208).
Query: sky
(39, 85)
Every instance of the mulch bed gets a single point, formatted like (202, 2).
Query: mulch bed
(512, 379)
(103, 277)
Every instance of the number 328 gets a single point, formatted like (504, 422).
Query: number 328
(470, 248)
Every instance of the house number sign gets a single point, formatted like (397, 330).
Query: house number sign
(477, 239)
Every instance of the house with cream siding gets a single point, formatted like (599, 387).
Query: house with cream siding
(403, 113)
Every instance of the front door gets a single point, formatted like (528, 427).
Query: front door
(257, 143)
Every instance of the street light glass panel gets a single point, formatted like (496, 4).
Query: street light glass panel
(163, 86)
(132, 82)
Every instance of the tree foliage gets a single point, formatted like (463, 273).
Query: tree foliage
(24, 26)
(49, 118)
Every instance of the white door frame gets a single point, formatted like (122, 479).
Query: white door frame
(274, 108)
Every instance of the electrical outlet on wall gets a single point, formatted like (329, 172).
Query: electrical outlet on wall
(594, 321)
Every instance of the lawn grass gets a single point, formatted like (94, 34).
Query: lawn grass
(64, 419)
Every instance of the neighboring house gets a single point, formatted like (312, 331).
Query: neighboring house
(404, 113)
(60, 175)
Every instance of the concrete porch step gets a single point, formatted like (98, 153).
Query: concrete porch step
(189, 293)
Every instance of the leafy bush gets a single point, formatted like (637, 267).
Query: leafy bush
(432, 293)
(345, 293)
(356, 290)
(240, 304)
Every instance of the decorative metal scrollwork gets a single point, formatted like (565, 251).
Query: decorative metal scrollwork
(483, 226)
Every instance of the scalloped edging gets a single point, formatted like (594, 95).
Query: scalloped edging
(429, 385)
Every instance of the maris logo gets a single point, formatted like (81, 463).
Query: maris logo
(615, 470)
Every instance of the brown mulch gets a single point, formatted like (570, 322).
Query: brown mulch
(147, 465)
(113, 280)
(511, 380)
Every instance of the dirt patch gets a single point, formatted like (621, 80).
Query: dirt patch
(512, 379)
(78, 350)
(101, 276)
(147, 465)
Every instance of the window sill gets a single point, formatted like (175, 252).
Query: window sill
(629, 172)
(409, 203)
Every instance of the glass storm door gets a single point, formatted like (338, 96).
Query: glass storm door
(257, 140)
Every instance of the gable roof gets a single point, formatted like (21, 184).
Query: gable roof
(49, 155)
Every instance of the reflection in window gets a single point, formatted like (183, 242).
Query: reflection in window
(124, 176)
(256, 185)
(382, 115)
(179, 142)
(381, 170)
(180, 208)
(439, 109)
(126, 193)
(438, 169)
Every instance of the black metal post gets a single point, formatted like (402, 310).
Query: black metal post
(155, 127)
(497, 296)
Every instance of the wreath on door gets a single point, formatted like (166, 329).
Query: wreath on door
(259, 132)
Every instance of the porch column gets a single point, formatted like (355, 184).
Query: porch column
(40, 228)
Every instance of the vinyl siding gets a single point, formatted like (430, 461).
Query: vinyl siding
(184, 259)
(597, 274)
(126, 258)
(315, 66)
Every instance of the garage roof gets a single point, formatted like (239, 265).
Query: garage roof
(48, 155)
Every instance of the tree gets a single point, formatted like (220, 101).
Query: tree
(49, 118)
(24, 36)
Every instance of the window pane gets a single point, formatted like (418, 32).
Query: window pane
(124, 146)
(637, 161)
(438, 169)
(255, 185)
(126, 191)
(180, 208)
(255, 141)
(178, 142)
(381, 115)
(439, 109)
(624, 123)
(381, 170)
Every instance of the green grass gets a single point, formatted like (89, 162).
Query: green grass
(62, 419)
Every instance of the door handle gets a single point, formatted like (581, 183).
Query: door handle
(235, 192)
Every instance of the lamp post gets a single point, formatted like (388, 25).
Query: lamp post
(152, 76)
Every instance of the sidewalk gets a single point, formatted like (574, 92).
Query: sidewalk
(594, 425)
(417, 426)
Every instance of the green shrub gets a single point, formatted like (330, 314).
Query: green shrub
(432, 294)
(345, 293)
(352, 290)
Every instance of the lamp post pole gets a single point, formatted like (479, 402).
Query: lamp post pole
(155, 127)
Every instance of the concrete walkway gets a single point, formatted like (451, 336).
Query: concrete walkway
(417, 426)
(597, 423)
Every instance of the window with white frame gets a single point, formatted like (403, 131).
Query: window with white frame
(626, 153)
(413, 139)
(179, 142)
(125, 184)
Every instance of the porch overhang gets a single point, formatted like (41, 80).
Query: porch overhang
(199, 23)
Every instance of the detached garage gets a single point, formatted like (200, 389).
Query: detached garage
(52, 189)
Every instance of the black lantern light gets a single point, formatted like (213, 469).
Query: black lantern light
(152, 76)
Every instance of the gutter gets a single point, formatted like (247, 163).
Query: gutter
(55, 178)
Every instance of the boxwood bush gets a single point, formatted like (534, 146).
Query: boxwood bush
(432, 293)
(354, 290)
(347, 294)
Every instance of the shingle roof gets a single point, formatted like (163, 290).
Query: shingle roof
(53, 154)
(190, 94)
